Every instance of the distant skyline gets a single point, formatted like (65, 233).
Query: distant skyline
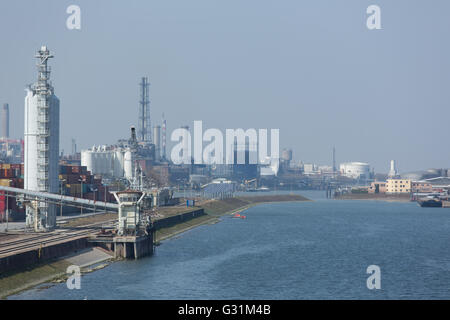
(309, 68)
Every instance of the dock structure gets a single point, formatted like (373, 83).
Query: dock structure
(130, 247)
(134, 238)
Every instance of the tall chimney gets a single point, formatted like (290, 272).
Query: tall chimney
(157, 141)
(5, 121)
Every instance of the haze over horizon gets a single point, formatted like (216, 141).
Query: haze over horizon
(310, 68)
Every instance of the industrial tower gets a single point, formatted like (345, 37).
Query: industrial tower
(144, 128)
(41, 144)
(163, 138)
(393, 172)
(5, 121)
(334, 161)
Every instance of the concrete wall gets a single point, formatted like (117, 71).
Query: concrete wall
(174, 220)
(23, 260)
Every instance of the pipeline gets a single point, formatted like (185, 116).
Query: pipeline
(61, 198)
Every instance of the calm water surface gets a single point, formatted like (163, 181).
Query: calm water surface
(306, 250)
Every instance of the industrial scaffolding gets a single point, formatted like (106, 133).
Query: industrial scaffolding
(43, 91)
(144, 128)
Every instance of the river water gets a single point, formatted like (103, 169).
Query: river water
(304, 250)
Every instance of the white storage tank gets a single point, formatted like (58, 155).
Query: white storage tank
(118, 163)
(98, 160)
(355, 170)
(87, 159)
(128, 164)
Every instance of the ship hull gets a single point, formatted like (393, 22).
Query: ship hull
(430, 203)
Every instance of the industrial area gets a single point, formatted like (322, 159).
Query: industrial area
(136, 189)
(111, 197)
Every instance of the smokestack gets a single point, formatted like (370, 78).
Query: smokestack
(334, 159)
(133, 134)
(5, 121)
(157, 141)
(393, 173)
(163, 142)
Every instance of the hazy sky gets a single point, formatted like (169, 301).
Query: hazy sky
(310, 68)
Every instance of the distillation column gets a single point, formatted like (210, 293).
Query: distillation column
(41, 144)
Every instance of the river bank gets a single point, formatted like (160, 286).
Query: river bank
(88, 260)
(375, 196)
(214, 209)
(55, 271)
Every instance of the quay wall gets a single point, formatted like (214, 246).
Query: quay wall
(180, 218)
(26, 259)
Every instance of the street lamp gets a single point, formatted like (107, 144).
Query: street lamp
(95, 192)
(7, 211)
(81, 180)
(61, 188)
(104, 191)
(7, 208)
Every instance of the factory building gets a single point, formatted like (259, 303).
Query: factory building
(355, 170)
(310, 168)
(41, 143)
(377, 187)
(286, 157)
(270, 169)
(407, 185)
(249, 168)
(11, 150)
(398, 186)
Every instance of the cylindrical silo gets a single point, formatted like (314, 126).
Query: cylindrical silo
(119, 163)
(41, 143)
(128, 164)
(87, 159)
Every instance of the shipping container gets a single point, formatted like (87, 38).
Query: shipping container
(76, 169)
(6, 182)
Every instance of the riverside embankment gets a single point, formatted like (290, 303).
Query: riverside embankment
(214, 209)
(169, 222)
(375, 196)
